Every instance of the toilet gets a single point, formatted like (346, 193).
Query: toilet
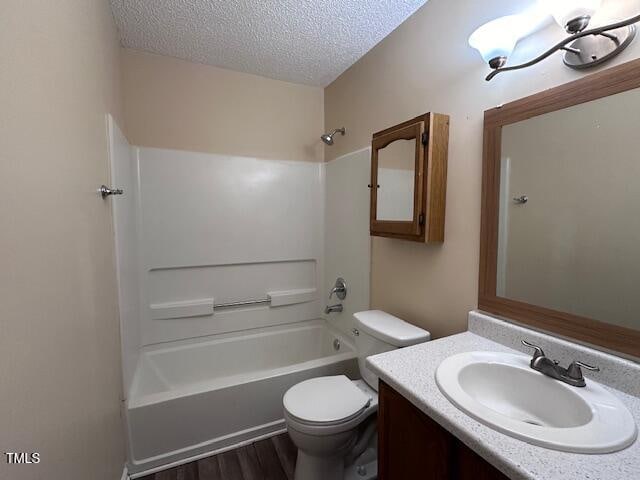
(331, 419)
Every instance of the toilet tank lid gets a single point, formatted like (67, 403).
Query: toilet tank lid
(390, 329)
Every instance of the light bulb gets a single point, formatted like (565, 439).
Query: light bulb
(496, 40)
(572, 15)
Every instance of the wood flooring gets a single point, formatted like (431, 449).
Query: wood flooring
(270, 459)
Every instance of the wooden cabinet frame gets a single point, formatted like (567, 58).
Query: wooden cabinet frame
(431, 134)
(608, 82)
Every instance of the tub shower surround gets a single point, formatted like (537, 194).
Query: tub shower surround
(230, 266)
(220, 229)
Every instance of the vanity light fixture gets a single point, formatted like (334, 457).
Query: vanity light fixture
(584, 48)
(496, 40)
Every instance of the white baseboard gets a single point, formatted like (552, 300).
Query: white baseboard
(125, 474)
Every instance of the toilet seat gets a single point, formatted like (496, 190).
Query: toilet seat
(328, 405)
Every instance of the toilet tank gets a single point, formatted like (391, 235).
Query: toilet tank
(378, 332)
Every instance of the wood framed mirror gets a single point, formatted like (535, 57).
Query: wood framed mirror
(408, 179)
(560, 229)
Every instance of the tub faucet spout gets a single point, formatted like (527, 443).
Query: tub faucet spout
(333, 308)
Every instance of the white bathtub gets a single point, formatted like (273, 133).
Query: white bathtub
(197, 397)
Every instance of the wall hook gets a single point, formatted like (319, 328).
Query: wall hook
(105, 191)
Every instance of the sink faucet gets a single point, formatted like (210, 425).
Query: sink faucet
(571, 375)
(333, 308)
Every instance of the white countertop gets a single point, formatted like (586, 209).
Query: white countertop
(411, 371)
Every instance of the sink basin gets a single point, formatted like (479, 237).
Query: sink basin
(503, 392)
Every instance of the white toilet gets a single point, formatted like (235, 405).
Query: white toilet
(330, 419)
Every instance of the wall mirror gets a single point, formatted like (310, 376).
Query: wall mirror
(560, 246)
(408, 179)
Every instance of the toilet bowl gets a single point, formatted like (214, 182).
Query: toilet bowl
(331, 420)
(323, 415)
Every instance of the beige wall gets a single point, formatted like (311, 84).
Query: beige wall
(171, 103)
(427, 65)
(59, 346)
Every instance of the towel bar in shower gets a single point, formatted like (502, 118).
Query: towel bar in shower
(205, 307)
(276, 299)
(197, 308)
(242, 303)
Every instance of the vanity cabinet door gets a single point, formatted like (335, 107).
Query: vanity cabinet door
(471, 466)
(411, 446)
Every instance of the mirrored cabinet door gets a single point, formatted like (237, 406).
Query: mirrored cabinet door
(408, 179)
(397, 181)
(398, 157)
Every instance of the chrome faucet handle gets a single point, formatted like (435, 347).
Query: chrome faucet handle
(575, 372)
(538, 351)
(340, 289)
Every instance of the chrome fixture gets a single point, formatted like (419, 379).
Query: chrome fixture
(105, 191)
(571, 375)
(333, 309)
(242, 303)
(584, 48)
(328, 137)
(339, 288)
(356, 332)
(522, 199)
(336, 344)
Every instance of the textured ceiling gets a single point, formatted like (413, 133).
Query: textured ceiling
(301, 41)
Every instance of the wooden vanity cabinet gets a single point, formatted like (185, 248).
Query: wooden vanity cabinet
(411, 446)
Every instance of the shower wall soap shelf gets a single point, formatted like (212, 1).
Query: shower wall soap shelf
(207, 306)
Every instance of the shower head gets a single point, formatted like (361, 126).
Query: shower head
(328, 137)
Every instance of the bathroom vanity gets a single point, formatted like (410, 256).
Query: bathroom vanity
(424, 435)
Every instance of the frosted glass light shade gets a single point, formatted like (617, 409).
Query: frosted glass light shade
(497, 38)
(563, 11)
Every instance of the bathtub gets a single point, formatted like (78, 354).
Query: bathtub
(194, 398)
